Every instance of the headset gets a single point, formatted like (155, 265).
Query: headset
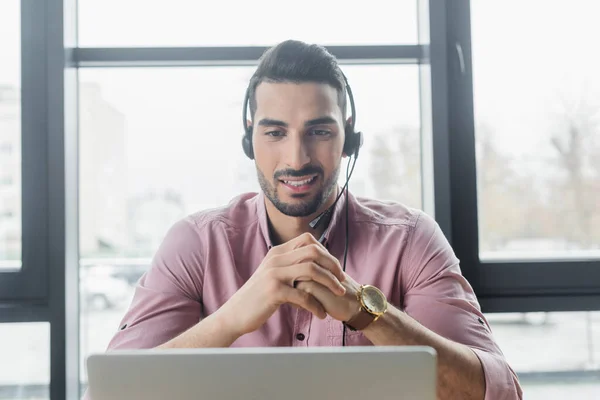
(352, 144)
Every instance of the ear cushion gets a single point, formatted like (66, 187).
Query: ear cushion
(247, 144)
(353, 142)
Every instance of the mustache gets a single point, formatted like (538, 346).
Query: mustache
(308, 170)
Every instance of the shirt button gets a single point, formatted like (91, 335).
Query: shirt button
(300, 336)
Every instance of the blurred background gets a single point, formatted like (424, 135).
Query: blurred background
(156, 141)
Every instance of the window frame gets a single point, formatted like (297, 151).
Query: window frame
(30, 282)
(47, 289)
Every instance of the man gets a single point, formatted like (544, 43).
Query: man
(254, 273)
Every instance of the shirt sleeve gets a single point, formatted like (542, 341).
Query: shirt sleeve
(167, 297)
(438, 296)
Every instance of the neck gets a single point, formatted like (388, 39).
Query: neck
(284, 228)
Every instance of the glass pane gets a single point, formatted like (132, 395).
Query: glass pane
(10, 135)
(27, 374)
(115, 23)
(159, 144)
(553, 353)
(537, 115)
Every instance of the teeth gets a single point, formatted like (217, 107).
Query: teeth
(299, 183)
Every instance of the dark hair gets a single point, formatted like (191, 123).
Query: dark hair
(298, 62)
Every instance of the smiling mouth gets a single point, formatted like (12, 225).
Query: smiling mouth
(299, 183)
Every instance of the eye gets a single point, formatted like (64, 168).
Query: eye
(320, 132)
(274, 133)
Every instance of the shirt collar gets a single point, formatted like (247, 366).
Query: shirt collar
(261, 212)
(337, 218)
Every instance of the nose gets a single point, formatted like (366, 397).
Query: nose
(297, 153)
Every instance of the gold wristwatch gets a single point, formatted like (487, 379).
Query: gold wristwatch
(373, 305)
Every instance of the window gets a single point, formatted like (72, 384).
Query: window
(534, 345)
(25, 366)
(158, 144)
(521, 235)
(192, 23)
(537, 124)
(10, 135)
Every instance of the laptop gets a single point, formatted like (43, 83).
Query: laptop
(279, 373)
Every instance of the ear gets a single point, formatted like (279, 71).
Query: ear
(248, 124)
(344, 155)
(349, 121)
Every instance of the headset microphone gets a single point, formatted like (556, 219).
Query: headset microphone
(314, 224)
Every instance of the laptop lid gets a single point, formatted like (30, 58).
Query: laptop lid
(332, 373)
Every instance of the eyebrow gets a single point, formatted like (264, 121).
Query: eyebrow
(271, 122)
(320, 121)
(312, 122)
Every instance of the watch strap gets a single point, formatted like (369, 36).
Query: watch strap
(360, 320)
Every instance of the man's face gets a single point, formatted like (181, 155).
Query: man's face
(298, 140)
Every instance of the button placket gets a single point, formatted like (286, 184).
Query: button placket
(302, 327)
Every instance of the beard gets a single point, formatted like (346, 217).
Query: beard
(305, 205)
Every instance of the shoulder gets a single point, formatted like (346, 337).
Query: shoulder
(416, 229)
(188, 232)
(383, 212)
(393, 213)
(240, 212)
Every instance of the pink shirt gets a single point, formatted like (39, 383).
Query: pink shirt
(206, 257)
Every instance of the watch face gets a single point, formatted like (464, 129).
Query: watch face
(374, 300)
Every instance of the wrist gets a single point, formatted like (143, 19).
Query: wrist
(354, 308)
(371, 305)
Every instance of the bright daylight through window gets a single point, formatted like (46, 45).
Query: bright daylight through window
(25, 366)
(537, 116)
(242, 23)
(10, 136)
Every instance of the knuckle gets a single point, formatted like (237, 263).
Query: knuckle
(307, 236)
(273, 260)
(305, 289)
(338, 267)
(312, 268)
(275, 250)
(305, 297)
(315, 251)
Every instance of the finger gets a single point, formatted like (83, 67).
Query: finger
(310, 271)
(302, 240)
(317, 254)
(302, 299)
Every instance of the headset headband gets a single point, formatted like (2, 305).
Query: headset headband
(348, 90)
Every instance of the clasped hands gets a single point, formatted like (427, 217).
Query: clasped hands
(300, 272)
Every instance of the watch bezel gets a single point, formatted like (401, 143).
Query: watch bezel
(365, 289)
